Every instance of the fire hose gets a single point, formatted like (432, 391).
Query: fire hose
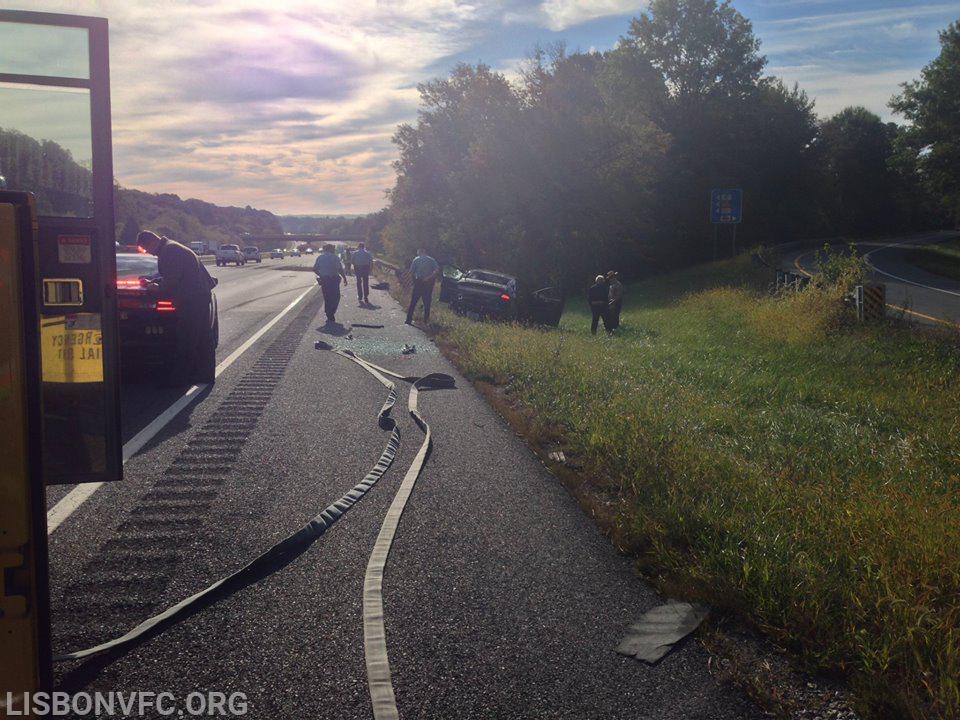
(294, 545)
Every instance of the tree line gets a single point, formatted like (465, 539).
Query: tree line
(62, 185)
(599, 160)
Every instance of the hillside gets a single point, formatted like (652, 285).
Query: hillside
(765, 454)
(188, 220)
(63, 186)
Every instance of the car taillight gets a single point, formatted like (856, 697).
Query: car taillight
(505, 297)
(129, 284)
(165, 306)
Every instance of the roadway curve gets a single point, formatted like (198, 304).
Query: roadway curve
(911, 292)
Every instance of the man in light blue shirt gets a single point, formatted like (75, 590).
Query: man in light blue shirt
(362, 260)
(329, 270)
(424, 270)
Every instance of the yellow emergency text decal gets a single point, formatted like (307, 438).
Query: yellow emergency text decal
(71, 348)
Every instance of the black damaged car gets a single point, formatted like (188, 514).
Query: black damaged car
(490, 294)
(148, 322)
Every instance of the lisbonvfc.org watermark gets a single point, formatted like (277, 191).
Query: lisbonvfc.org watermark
(126, 704)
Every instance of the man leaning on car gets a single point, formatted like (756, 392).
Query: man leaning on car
(186, 282)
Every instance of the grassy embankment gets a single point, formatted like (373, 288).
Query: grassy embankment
(767, 457)
(940, 259)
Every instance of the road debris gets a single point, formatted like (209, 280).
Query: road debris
(660, 629)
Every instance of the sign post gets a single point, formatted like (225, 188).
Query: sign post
(726, 208)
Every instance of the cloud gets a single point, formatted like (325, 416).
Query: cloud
(562, 14)
(833, 91)
(291, 106)
(271, 104)
(853, 57)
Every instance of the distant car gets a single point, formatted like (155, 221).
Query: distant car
(490, 294)
(252, 254)
(295, 252)
(276, 253)
(309, 251)
(227, 254)
(148, 323)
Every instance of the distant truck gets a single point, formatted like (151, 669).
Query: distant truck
(227, 254)
(200, 248)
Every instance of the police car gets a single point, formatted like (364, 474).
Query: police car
(148, 323)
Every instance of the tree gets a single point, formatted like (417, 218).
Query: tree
(856, 150)
(703, 50)
(716, 109)
(932, 105)
(131, 228)
(457, 171)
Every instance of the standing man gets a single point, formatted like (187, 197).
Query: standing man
(362, 260)
(599, 298)
(186, 282)
(329, 270)
(424, 270)
(615, 298)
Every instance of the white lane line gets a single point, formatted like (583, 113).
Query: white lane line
(896, 277)
(81, 493)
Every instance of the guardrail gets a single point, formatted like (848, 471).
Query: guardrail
(791, 280)
(401, 274)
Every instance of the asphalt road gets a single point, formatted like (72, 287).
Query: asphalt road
(913, 293)
(247, 297)
(501, 597)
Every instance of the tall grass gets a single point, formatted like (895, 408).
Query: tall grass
(770, 458)
(940, 259)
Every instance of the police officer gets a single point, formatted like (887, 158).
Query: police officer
(186, 282)
(362, 260)
(424, 270)
(598, 297)
(615, 295)
(329, 270)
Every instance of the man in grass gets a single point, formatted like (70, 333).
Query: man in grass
(615, 298)
(599, 298)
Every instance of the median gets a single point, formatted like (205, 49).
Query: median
(940, 259)
(766, 455)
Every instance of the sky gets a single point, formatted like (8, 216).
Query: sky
(290, 105)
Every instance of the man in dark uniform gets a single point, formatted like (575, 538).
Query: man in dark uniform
(362, 260)
(598, 297)
(329, 270)
(424, 271)
(186, 282)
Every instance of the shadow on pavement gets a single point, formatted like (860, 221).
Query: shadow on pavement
(336, 329)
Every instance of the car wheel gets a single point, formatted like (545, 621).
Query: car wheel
(206, 362)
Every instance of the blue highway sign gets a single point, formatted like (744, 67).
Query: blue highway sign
(726, 206)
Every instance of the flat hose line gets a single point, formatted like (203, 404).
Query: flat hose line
(379, 678)
(291, 547)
